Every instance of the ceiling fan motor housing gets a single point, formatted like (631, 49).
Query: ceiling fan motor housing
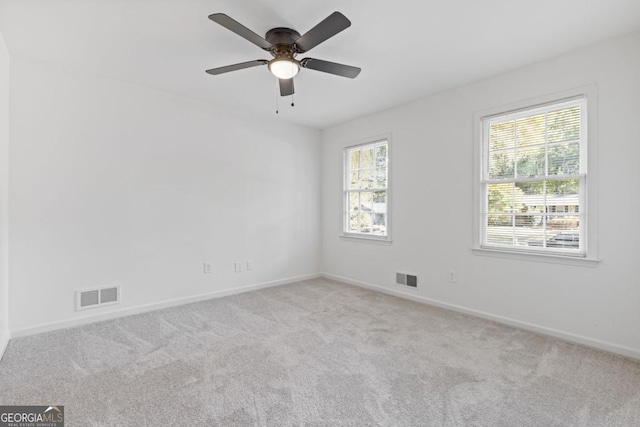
(282, 36)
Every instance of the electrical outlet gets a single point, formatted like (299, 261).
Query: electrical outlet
(249, 265)
(453, 276)
(238, 266)
(206, 268)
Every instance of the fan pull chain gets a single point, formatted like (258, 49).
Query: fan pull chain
(277, 88)
(292, 104)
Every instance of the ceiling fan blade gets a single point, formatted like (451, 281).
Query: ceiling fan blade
(234, 67)
(241, 30)
(326, 29)
(330, 67)
(286, 87)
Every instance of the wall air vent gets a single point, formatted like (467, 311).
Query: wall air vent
(412, 281)
(407, 280)
(97, 297)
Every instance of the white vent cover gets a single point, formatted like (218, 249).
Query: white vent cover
(407, 280)
(97, 297)
(108, 295)
(89, 298)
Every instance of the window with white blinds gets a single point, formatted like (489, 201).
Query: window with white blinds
(366, 190)
(534, 176)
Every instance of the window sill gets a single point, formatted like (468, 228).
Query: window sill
(537, 257)
(376, 240)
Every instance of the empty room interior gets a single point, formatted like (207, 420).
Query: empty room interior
(274, 213)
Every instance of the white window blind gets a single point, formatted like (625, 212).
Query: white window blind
(366, 190)
(534, 176)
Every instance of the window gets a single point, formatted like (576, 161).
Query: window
(533, 179)
(366, 190)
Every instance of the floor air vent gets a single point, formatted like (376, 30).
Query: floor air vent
(407, 280)
(92, 298)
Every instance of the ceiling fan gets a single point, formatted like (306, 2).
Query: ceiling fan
(284, 44)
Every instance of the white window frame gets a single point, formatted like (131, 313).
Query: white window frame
(364, 237)
(588, 193)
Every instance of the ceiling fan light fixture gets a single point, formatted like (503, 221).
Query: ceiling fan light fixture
(283, 68)
(284, 44)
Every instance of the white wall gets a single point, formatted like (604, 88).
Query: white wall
(432, 204)
(113, 183)
(4, 189)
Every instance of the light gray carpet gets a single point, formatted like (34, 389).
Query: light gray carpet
(317, 353)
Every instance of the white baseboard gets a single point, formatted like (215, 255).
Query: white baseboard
(566, 336)
(68, 323)
(4, 341)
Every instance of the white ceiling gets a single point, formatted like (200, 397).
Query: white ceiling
(407, 49)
